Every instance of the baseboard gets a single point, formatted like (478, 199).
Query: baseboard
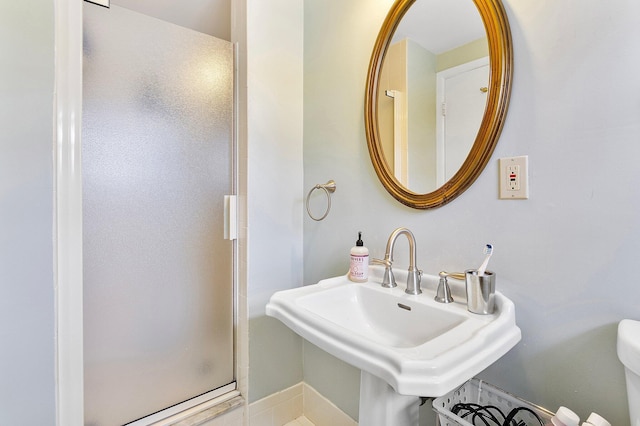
(278, 408)
(282, 407)
(322, 412)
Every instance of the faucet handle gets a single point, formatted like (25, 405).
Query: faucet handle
(455, 275)
(385, 262)
(388, 280)
(443, 294)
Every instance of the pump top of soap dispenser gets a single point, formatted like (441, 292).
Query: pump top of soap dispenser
(359, 243)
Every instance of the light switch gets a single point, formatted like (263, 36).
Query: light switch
(514, 180)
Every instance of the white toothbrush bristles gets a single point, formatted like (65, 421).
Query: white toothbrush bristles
(488, 251)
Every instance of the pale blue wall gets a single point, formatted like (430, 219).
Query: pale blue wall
(274, 186)
(566, 256)
(27, 358)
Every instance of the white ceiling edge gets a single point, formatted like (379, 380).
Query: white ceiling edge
(211, 17)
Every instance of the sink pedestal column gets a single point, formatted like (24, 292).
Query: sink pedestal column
(381, 405)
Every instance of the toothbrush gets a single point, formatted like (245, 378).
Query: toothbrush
(488, 251)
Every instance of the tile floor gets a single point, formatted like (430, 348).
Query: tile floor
(300, 421)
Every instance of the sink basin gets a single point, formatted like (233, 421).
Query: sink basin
(382, 316)
(418, 346)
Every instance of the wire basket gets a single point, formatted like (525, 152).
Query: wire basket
(476, 391)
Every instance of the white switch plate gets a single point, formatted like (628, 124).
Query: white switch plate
(514, 178)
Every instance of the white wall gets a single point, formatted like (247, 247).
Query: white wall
(566, 256)
(274, 40)
(274, 186)
(27, 358)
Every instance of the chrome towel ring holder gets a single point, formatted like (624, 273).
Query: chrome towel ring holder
(328, 188)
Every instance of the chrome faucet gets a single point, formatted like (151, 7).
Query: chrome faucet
(413, 279)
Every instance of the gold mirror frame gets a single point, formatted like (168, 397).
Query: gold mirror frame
(500, 76)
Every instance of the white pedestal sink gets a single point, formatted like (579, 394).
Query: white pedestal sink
(406, 346)
(381, 405)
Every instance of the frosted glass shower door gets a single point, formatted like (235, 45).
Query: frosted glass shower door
(157, 162)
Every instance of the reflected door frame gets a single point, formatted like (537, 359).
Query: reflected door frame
(441, 80)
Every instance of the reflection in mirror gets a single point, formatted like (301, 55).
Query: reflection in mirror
(495, 97)
(432, 92)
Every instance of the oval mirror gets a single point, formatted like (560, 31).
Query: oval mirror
(437, 93)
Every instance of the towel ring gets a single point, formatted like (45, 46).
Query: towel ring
(328, 188)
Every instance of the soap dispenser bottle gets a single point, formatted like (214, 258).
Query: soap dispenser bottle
(359, 264)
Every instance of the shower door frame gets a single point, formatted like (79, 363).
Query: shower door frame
(68, 287)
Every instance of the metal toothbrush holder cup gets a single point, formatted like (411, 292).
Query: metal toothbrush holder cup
(481, 291)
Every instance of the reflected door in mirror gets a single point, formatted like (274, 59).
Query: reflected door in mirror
(432, 38)
(462, 97)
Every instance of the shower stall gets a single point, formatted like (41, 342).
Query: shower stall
(157, 163)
